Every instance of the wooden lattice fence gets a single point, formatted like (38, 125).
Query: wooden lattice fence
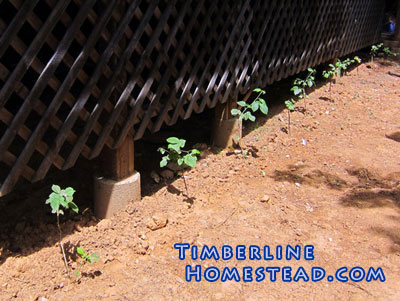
(76, 75)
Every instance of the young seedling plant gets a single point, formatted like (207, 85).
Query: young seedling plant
(300, 85)
(330, 74)
(358, 61)
(290, 105)
(338, 69)
(374, 50)
(245, 113)
(60, 200)
(174, 153)
(342, 65)
(87, 258)
(389, 52)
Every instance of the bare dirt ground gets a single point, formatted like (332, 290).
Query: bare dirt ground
(334, 183)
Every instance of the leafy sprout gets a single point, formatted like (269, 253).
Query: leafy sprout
(60, 200)
(374, 50)
(388, 52)
(357, 60)
(300, 85)
(290, 105)
(174, 153)
(87, 258)
(247, 109)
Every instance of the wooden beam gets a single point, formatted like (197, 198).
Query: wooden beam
(119, 163)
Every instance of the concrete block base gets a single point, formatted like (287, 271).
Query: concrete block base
(110, 196)
(227, 132)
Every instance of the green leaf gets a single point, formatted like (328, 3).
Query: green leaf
(56, 188)
(296, 90)
(80, 251)
(52, 196)
(252, 118)
(190, 160)
(93, 258)
(173, 140)
(289, 104)
(63, 202)
(255, 106)
(182, 142)
(196, 152)
(261, 101)
(69, 191)
(235, 112)
(161, 150)
(73, 207)
(55, 205)
(258, 90)
(164, 161)
(246, 115)
(264, 108)
(180, 161)
(310, 83)
(175, 147)
(242, 103)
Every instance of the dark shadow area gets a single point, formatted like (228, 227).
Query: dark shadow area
(187, 199)
(89, 275)
(392, 234)
(394, 136)
(373, 190)
(27, 225)
(372, 198)
(324, 98)
(366, 181)
(197, 133)
(172, 189)
(315, 178)
(26, 222)
(376, 191)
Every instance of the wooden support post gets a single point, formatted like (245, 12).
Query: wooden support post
(397, 32)
(227, 130)
(119, 163)
(119, 183)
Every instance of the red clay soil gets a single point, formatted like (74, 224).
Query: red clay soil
(334, 183)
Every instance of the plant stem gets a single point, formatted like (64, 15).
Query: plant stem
(240, 127)
(184, 181)
(288, 122)
(61, 245)
(80, 267)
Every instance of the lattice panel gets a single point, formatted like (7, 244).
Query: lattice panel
(76, 75)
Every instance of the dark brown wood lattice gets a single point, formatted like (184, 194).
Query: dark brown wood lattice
(76, 75)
